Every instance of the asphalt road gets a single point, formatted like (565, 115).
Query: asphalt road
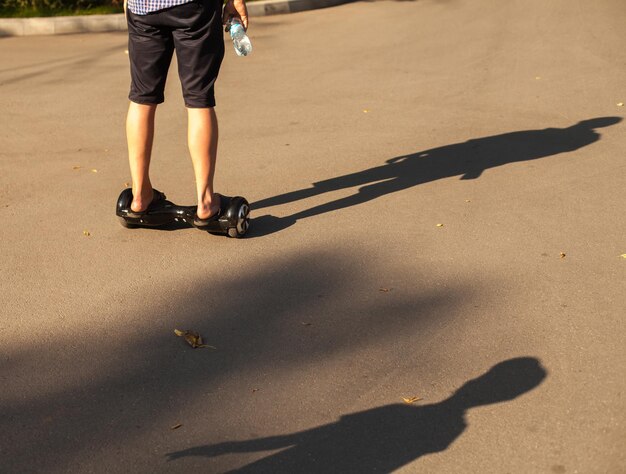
(438, 192)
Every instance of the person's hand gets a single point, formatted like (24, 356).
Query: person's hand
(237, 9)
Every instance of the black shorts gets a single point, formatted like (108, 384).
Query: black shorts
(194, 30)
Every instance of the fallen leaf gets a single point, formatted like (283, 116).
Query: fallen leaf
(411, 400)
(620, 104)
(562, 255)
(623, 255)
(193, 338)
(254, 390)
(467, 200)
(127, 185)
(76, 167)
(94, 170)
(384, 290)
(86, 233)
(439, 225)
(176, 426)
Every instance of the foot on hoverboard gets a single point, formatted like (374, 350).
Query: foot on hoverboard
(233, 218)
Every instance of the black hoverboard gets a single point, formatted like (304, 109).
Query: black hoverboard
(233, 218)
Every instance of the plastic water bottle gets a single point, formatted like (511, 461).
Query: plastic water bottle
(241, 42)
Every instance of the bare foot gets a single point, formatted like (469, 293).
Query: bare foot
(206, 210)
(142, 200)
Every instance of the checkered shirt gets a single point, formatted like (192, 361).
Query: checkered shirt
(143, 7)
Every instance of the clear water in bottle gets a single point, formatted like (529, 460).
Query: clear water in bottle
(241, 42)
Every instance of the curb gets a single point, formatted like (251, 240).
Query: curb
(61, 25)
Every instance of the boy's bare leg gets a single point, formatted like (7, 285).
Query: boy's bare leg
(140, 135)
(202, 141)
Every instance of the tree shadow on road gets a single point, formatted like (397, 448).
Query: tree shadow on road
(468, 159)
(386, 438)
(138, 380)
(76, 64)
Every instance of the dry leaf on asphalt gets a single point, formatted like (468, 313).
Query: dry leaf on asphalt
(193, 338)
(620, 104)
(86, 233)
(76, 167)
(384, 290)
(439, 225)
(563, 255)
(411, 400)
(176, 426)
(94, 170)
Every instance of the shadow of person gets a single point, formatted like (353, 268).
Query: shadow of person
(386, 438)
(468, 159)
